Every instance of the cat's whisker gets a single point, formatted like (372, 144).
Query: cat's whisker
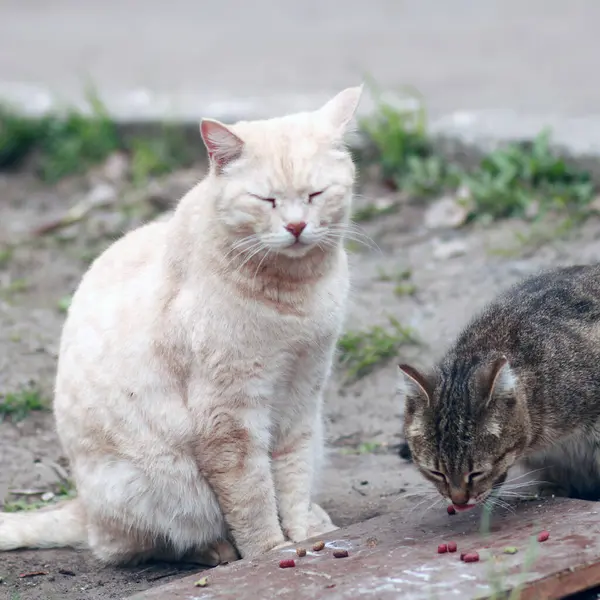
(525, 475)
(250, 250)
(356, 234)
(433, 504)
(354, 227)
(251, 255)
(524, 485)
(367, 242)
(425, 499)
(259, 265)
(247, 241)
(492, 502)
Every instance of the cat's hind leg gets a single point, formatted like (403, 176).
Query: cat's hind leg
(162, 513)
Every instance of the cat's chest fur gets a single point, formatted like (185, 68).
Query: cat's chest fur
(238, 347)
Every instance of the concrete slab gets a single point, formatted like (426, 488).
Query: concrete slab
(395, 556)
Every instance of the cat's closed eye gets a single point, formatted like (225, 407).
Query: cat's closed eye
(271, 200)
(314, 195)
(437, 475)
(476, 475)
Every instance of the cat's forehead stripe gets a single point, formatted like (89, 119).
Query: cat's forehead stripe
(455, 415)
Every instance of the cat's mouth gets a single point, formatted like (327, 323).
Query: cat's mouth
(463, 507)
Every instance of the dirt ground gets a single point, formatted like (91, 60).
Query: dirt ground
(454, 272)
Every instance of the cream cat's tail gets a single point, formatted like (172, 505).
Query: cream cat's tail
(57, 526)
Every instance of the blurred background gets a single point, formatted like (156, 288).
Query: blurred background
(267, 56)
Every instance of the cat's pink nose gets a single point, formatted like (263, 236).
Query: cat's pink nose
(296, 229)
(459, 497)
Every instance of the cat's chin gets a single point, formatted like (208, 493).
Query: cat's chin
(297, 250)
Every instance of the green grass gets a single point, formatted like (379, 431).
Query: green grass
(513, 179)
(403, 148)
(69, 142)
(64, 143)
(5, 256)
(360, 352)
(370, 212)
(365, 448)
(399, 276)
(64, 491)
(64, 303)
(18, 405)
(524, 179)
(405, 289)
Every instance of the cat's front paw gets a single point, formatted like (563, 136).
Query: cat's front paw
(256, 550)
(296, 534)
(319, 522)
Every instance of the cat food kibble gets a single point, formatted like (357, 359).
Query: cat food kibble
(470, 557)
(301, 552)
(340, 553)
(452, 547)
(318, 546)
(543, 536)
(287, 563)
(451, 510)
(442, 549)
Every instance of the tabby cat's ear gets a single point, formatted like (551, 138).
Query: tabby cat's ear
(340, 110)
(414, 387)
(221, 143)
(499, 381)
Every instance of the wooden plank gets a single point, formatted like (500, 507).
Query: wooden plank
(395, 556)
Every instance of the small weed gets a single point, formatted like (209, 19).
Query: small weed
(405, 289)
(74, 142)
(68, 142)
(403, 148)
(512, 180)
(5, 256)
(518, 180)
(153, 156)
(64, 303)
(352, 246)
(383, 275)
(16, 286)
(64, 491)
(365, 448)
(371, 212)
(63, 143)
(18, 136)
(18, 405)
(401, 275)
(362, 351)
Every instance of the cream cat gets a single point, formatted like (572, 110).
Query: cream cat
(195, 353)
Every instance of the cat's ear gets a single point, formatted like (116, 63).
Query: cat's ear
(499, 381)
(221, 143)
(340, 110)
(414, 387)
